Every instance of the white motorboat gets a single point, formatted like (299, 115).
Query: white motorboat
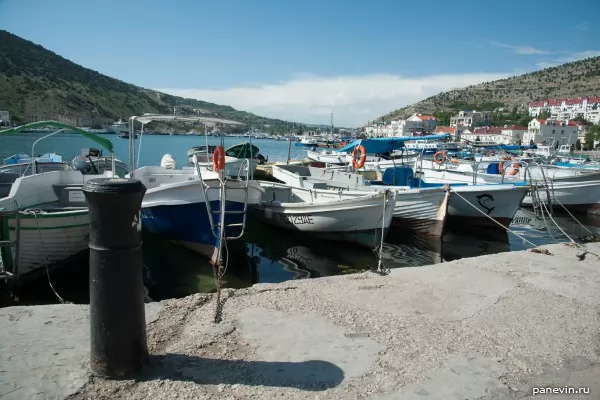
(421, 210)
(461, 171)
(575, 196)
(186, 205)
(44, 220)
(469, 205)
(350, 216)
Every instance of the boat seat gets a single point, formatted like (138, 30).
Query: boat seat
(69, 195)
(399, 176)
(6, 181)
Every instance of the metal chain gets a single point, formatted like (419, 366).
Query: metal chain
(219, 305)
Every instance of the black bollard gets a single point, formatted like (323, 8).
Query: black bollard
(117, 313)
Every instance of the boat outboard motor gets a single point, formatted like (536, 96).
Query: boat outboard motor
(167, 162)
(261, 159)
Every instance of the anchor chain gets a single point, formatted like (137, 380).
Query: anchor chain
(219, 306)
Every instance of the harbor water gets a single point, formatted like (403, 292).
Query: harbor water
(265, 254)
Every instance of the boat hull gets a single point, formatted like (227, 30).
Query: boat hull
(579, 197)
(189, 225)
(178, 211)
(45, 240)
(358, 220)
(479, 203)
(421, 210)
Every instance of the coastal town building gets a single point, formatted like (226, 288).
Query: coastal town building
(416, 124)
(567, 109)
(512, 134)
(470, 118)
(548, 132)
(4, 117)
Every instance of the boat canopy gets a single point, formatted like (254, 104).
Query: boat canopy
(243, 150)
(107, 144)
(387, 145)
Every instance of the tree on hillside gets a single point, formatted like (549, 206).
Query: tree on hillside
(592, 135)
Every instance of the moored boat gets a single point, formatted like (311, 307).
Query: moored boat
(44, 220)
(355, 217)
(420, 210)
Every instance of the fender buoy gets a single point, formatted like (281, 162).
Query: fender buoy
(515, 167)
(343, 144)
(439, 157)
(455, 161)
(363, 157)
(219, 159)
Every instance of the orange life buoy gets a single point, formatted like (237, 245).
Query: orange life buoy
(439, 157)
(219, 159)
(515, 167)
(363, 157)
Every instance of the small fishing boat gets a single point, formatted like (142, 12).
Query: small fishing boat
(91, 161)
(356, 217)
(125, 135)
(21, 164)
(420, 210)
(44, 219)
(194, 206)
(234, 157)
(307, 142)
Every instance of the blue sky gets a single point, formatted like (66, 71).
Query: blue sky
(301, 60)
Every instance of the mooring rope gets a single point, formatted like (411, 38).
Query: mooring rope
(496, 222)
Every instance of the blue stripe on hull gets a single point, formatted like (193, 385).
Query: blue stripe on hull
(189, 222)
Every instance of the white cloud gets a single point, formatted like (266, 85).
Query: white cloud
(524, 50)
(353, 99)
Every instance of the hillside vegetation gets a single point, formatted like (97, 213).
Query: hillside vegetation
(576, 79)
(36, 81)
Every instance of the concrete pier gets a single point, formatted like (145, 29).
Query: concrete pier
(492, 327)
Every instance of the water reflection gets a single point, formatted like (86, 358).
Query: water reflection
(270, 255)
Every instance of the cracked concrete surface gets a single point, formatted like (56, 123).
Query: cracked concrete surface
(492, 327)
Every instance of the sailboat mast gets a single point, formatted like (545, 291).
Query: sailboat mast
(331, 124)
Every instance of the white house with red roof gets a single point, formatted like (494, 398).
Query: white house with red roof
(549, 131)
(425, 122)
(566, 109)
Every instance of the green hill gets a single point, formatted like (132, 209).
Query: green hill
(37, 83)
(576, 79)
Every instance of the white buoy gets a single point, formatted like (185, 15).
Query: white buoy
(167, 162)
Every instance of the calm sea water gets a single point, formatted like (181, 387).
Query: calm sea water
(266, 254)
(153, 146)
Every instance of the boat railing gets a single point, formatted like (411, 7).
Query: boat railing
(219, 229)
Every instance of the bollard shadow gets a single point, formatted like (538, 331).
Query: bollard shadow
(313, 375)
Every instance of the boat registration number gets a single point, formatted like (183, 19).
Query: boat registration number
(291, 219)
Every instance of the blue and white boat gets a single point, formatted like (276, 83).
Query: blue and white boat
(184, 205)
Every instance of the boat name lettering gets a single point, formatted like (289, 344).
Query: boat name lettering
(300, 219)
